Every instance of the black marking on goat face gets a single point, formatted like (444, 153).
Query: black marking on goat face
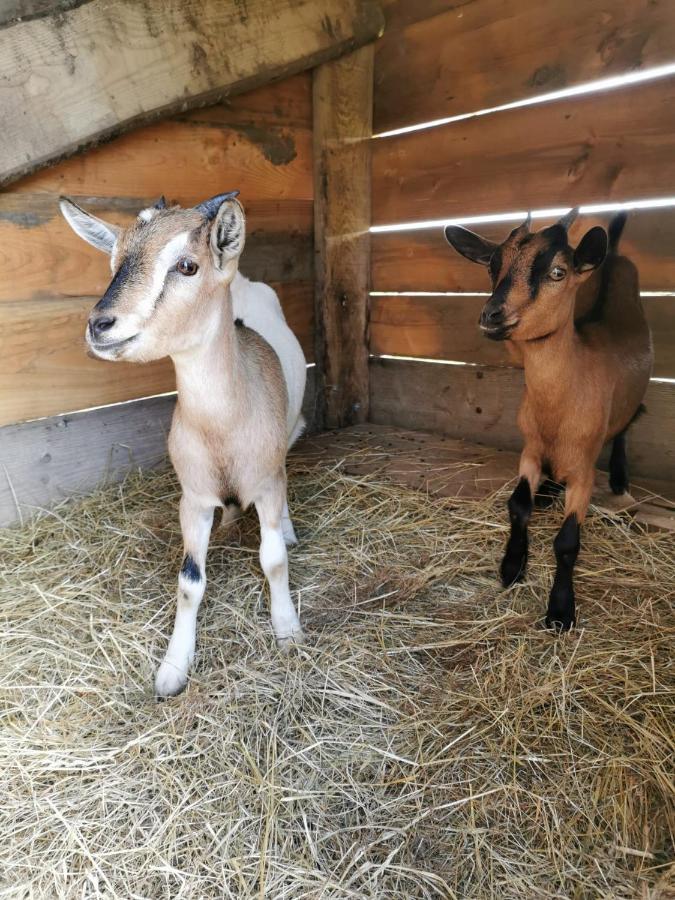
(190, 569)
(556, 237)
(120, 280)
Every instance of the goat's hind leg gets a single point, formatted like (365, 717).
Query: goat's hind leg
(274, 562)
(195, 521)
(521, 501)
(287, 526)
(618, 465)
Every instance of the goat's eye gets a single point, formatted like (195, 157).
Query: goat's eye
(186, 266)
(557, 273)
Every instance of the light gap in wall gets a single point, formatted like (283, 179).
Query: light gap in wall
(481, 294)
(517, 216)
(589, 87)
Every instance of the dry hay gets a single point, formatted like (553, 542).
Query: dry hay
(431, 740)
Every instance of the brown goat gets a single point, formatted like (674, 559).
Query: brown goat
(585, 378)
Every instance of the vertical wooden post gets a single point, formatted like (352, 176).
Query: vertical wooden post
(343, 116)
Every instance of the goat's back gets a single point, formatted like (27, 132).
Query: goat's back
(258, 306)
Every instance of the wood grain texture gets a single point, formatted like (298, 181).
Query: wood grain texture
(447, 328)
(45, 370)
(480, 403)
(54, 459)
(342, 131)
(86, 74)
(49, 260)
(423, 260)
(604, 147)
(463, 57)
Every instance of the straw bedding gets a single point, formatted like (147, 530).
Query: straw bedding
(429, 740)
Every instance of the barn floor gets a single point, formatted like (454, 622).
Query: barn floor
(430, 739)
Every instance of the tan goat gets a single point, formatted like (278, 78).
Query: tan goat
(585, 378)
(240, 374)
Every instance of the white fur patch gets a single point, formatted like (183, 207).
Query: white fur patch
(145, 215)
(167, 257)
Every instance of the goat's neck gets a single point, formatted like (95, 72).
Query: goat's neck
(208, 373)
(551, 363)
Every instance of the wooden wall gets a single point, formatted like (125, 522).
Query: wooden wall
(444, 59)
(259, 142)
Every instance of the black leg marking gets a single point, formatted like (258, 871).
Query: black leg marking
(190, 569)
(515, 559)
(618, 465)
(547, 492)
(561, 612)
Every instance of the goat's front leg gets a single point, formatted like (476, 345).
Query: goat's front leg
(520, 506)
(561, 613)
(274, 561)
(195, 522)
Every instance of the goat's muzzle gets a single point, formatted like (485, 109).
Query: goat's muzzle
(493, 323)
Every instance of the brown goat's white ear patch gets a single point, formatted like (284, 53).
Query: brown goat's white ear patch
(228, 233)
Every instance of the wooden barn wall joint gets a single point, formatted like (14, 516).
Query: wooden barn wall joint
(342, 149)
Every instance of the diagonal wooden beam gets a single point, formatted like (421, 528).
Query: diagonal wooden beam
(81, 73)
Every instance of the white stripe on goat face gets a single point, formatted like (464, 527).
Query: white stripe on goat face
(166, 259)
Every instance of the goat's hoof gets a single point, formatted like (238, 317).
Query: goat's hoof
(512, 571)
(287, 641)
(171, 679)
(560, 621)
(290, 539)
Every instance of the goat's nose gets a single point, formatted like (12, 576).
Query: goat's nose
(100, 325)
(491, 315)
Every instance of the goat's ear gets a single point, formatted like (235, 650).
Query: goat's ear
(228, 233)
(469, 244)
(96, 232)
(591, 251)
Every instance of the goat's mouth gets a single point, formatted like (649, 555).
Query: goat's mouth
(500, 332)
(109, 349)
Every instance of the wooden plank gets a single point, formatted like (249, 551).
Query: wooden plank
(446, 328)
(50, 260)
(49, 460)
(270, 164)
(45, 370)
(88, 73)
(486, 53)
(343, 92)
(423, 261)
(615, 146)
(480, 403)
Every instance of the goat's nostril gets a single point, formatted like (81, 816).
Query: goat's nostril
(101, 324)
(493, 315)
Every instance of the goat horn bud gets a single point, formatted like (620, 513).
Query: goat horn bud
(569, 218)
(209, 208)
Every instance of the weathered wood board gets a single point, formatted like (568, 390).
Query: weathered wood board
(53, 459)
(45, 369)
(615, 146)
(77, 76)
(423, 261)
(343, 103)
(473, 55)
(447, 328)
(480, 403)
